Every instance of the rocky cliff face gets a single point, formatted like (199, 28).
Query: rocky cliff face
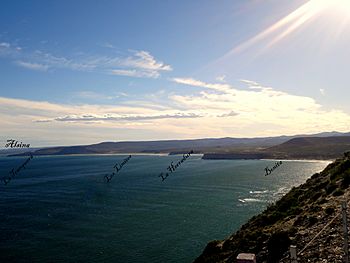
(295, 219)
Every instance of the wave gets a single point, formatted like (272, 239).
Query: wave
(250, 200)
(281, 191)
(259, 192)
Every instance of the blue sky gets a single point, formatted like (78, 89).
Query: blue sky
(76, 72)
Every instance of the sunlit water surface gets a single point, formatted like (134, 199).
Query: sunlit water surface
(60, 209)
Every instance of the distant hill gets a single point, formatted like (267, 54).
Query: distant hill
(315, 146)
(13, 151)
(216, 146)
(296, 148)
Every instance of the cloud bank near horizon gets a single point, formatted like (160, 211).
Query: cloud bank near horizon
(215, 110)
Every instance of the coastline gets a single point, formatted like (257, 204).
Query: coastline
(172, 154)
(299, 215)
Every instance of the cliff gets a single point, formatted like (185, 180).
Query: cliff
(294, 219)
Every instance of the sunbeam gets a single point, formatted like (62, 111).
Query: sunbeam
(339, 9)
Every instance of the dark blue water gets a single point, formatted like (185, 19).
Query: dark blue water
(60, 209)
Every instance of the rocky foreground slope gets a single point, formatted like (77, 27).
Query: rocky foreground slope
(295, 219)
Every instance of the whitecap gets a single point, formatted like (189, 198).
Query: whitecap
(281, 191)
(258, 192)
(250, 200)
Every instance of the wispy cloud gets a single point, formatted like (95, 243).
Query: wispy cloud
(144, 60)
(32, 66)
(60, 62)
(8, 50)
(133, 64)
(323, 92)
(254, 85)
(108, 117)
(141, 64)
(197, 83)
(135, 73)
(108, 45)
(262, 111)
(221, 78)
(85, 94)
(259, 110)
(5, 45)
(230, 114)
(39, 111)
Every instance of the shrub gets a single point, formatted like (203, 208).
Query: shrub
(277, 244)
(315, 208)
(330, 188)
(334, 176)
(346, 181)
(344, 166)
(289, 200)
(213, 247)
(295, 211)
(329, 210)
(299, 220)
(322, 201)
(338, 192)
(316, 196)
(315, 175)
(274, 217)
(311, 220)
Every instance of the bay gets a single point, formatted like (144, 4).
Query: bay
(60, 208)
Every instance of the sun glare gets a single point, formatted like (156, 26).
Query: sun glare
(338, 10)
(339, 5)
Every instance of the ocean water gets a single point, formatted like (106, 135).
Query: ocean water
(60, 209)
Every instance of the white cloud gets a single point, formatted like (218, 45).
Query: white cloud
(135, 73)
(113, 117)
(32, 66)
(85, 94)
(323, 92)
(61, 62)
(108, 45)
(197, 83)
(8, 50)
(229, 112)
(141, 64)
(259, 111)
(221, 78)
(39, 111)
(133, 64)
(254, 85)
(5, 45)
(144, 60)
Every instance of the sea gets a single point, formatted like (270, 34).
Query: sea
(61, 209)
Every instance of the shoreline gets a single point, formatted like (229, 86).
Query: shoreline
(179, 154)
(292, 218)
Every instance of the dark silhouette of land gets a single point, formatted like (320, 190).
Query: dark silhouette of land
(328, 145)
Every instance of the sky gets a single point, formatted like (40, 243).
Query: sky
(81, 72)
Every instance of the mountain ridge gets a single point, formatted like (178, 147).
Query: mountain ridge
(217, 145)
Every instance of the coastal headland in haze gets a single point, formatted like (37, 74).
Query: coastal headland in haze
(322, 146)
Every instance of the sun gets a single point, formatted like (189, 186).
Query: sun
(330, 5)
